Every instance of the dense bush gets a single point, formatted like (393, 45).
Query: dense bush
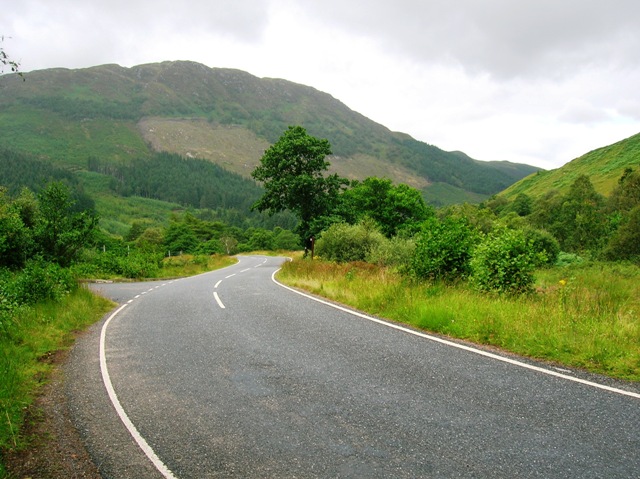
(443, 249)
(545, 244)
(343, 242)
(395, 252)
(625, 242)
(504, 262)
(37, 281)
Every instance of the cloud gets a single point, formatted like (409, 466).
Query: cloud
(505, 38)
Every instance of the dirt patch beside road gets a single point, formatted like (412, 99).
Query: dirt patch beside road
(56, 449)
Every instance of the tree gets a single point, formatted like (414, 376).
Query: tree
(15, 236)
(392, 207)
(581, 223)
(625, 242)
(292, 172)
(61, 231)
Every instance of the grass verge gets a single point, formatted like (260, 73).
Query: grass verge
(583, 316)
(30, 338)
(34, 334)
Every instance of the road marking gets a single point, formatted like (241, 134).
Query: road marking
(461, 346)
(245, 270)
(142, 443)
(215, 295)
(230, 276)
(218, 284)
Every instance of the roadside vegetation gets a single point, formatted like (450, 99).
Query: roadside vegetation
(49, 243)
(555, 277)
(583, 316)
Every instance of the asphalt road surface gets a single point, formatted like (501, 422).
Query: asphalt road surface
(230, 375)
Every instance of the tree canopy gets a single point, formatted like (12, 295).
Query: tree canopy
(292, 172)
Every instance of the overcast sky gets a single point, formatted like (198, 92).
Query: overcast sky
(531, 81)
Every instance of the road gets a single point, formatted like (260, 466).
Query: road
(230, 375)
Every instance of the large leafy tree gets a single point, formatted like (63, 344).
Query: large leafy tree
(293, 173)
(393, 207)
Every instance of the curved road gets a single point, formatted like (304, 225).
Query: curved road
(228, 374)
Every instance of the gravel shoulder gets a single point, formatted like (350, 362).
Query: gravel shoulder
(55, 448)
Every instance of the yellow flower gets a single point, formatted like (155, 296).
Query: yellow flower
(563, 282)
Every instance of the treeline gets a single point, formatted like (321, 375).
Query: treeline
(46, 242)
(581, 220)
(173, 178)
(20, 170)
(496, 245)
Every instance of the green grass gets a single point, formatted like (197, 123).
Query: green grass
(585, 317)
(33, 334)
(25, 346)
(604, 167)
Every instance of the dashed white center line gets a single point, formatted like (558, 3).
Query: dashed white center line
(215, 295)
(218, 284)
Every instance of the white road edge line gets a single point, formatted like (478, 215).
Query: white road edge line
(215, 295)
(142, 443)
(461, 346)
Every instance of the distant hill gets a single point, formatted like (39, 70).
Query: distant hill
(113, 117)
(603, 166)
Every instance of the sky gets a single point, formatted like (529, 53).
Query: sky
(529, 81)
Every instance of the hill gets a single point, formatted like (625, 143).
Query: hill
(604, 167)
(122, 115)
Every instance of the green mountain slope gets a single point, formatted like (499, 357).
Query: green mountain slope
(226, 116)
(603, 166)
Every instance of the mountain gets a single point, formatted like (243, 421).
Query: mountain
(118, 115)
(604, 167)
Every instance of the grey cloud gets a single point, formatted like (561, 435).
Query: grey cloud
(78, 33)
(506, 38)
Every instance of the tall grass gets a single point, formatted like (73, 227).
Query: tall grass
(584, 316)
(26, 341)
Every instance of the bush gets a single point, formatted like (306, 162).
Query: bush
(504, 262)
(443, 249)
(397, 252)
(133, 264)
(343, 242)
(624, 244)
(566, 259)
(37, 281)
(545, 244)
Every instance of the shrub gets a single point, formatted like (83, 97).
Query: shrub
(542, 241)
(504, 262)
(565, 259)
(397, 252)
(343, 242)
(37, 281)
(625, 242)
(443, 249)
